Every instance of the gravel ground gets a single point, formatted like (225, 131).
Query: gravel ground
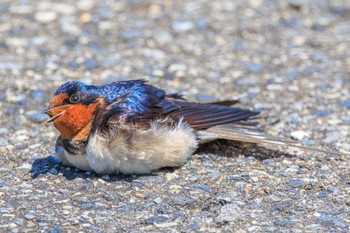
(289, 59)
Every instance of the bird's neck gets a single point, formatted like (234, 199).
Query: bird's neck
(72, 147)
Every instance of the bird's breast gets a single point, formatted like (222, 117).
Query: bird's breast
(73, 160)
(136, 152)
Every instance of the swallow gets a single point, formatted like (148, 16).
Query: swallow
(132, 127)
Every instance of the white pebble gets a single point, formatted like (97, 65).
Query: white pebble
(45, 16)
(299, 135)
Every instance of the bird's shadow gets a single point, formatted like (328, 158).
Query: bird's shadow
(234, 148)
(49, 165)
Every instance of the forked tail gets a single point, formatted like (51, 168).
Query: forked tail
(251, 135)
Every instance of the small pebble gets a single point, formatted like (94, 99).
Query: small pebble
(165, 225)
(255, 68)
(322, 195)
(346, 104)
(131, 34)
(30, 215)
(158, 200)
(91, 64)
(53, 171)
(331, 137)
(156, 219)
(37, 117)
(230, 213)
(45, 16)
(203, 187)
(3, 142)
(299, 135)
(296, 183)
(331, 219)
(281, 206)
(3, 132)
(38, 96)
(301, 171)
(182, 26)
(312, 227)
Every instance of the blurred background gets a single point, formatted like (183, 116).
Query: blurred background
(288, 58)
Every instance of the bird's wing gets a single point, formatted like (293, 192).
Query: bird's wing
(202, 116)
(135, 109)
(146, 103)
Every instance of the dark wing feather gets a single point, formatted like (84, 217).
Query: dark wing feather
(145, 103)
(202, 116)
(225, 102)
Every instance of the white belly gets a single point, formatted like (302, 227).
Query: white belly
(137, 153)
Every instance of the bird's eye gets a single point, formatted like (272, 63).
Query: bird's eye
(74, 99)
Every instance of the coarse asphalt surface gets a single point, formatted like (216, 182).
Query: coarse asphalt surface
(289, 59)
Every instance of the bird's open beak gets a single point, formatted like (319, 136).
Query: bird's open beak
(55, 112)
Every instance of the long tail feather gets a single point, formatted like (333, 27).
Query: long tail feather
(251, 135)
(225, 102)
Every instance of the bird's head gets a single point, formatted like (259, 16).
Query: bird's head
(72, 109)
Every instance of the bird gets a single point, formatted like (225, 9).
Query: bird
(132, 127)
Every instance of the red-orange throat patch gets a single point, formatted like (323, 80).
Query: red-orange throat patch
(75, 119)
